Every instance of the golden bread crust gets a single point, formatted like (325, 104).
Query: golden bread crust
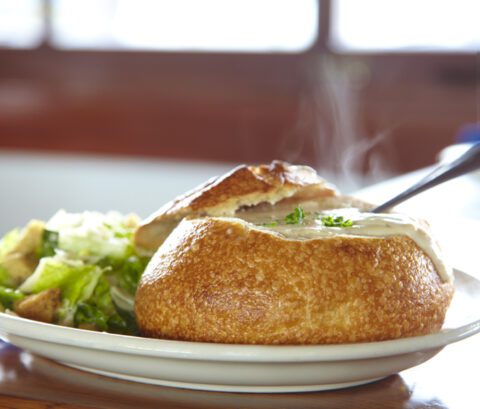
(222, 280)
(224, 195)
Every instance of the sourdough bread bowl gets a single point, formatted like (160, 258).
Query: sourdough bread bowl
(264, 274)
(243, 187)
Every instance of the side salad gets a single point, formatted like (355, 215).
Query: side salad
(77, 269)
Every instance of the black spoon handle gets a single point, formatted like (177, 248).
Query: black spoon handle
(468, 162)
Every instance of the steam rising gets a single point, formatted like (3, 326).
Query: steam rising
(329, 123)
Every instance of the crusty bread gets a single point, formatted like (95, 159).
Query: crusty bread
(225, 280)
(244, 186)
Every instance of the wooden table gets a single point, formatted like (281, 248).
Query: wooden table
(449, 380)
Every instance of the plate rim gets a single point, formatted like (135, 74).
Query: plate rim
(171, 349)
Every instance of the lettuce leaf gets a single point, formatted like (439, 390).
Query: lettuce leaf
(127, 271)
(91, 236)
(8, 242)
(5, 278)
(131, 271)
(9, 296)
(101, 313)
(77, 282)
(49, 244)
(90, 317)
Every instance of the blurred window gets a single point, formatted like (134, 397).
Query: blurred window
(164, 25)
(21, 23)
(405, 25)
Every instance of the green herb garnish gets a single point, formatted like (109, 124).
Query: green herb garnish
(296, 217)
(271, 224)
(339, 221)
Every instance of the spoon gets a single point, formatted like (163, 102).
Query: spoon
(468, 162)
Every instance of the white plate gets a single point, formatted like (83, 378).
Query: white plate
(244, 368)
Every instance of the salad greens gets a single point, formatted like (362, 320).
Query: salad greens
(100, 312)
(49, 244)
(90, 257)
(4, 277)
(7, 243)
(8, 296)
(76, 280)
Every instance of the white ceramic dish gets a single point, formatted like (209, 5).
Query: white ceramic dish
(244, 368)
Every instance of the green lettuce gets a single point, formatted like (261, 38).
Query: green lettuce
(49, 244)
(76, 280)
(92, 236)
(101, 312)
(7, 243)
(91, 258)
(5, 279)
(8, 296)
(126, 273)
(130, 273)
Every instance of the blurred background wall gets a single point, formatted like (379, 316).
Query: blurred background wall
(367, 87)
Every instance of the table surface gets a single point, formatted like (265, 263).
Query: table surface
(449, 380)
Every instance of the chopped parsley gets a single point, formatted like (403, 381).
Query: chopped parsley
(296, 217)
(338, 221)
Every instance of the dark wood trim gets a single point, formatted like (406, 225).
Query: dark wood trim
(247, 107)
